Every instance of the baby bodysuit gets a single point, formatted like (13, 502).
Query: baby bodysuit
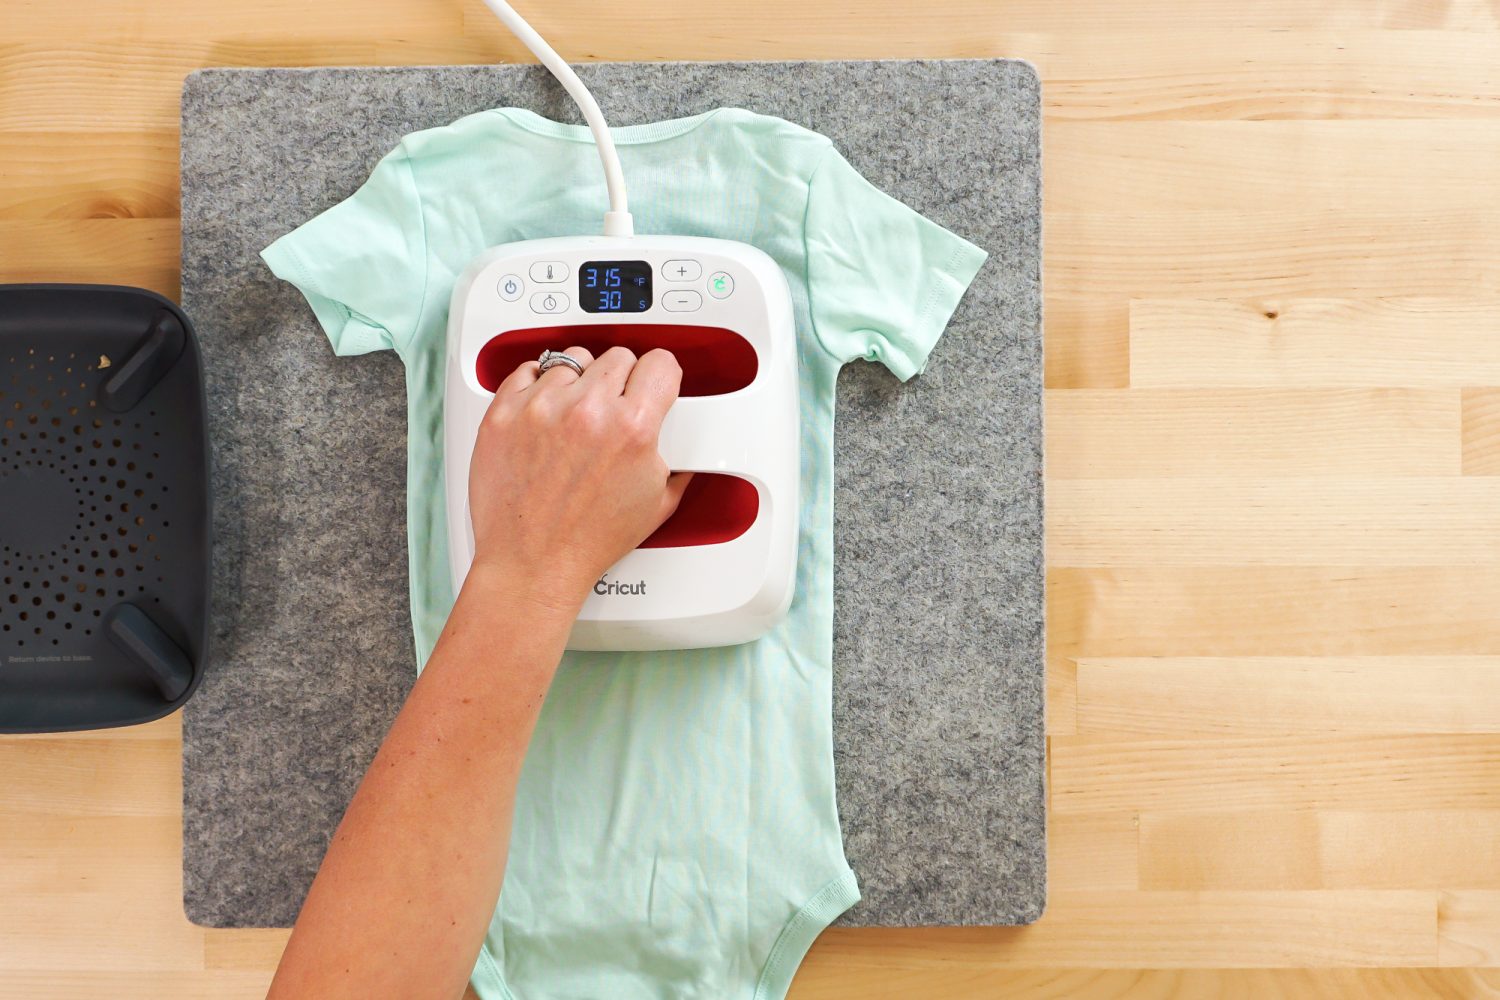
(676, 834)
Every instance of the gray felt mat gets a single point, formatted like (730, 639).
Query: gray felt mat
(939, 636)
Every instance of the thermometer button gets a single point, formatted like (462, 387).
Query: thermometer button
(549, 302)
(547, 271)
(511, 288)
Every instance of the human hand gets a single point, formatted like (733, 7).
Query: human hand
(566, 477)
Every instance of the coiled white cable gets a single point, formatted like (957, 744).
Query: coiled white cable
(617, 221)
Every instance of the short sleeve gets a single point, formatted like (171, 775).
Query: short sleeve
(882, 280)
(362, 264)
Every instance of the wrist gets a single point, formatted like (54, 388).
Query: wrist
(552, 596)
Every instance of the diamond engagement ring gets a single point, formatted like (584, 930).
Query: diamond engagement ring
(551, 359)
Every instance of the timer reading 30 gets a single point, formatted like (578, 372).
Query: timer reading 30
(614, 286)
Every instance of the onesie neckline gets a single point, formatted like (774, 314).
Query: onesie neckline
(623, 135)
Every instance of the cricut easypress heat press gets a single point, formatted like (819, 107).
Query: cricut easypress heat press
(721, 570)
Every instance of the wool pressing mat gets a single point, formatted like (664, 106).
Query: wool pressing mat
(938, 628)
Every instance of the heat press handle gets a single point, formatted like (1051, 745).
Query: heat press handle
(714, 434)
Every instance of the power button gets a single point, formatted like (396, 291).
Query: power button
(511, 288)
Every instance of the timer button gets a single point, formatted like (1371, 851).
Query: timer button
(511, 288)
(720, 285)
(681, 300)
(547, 271)
(549, 302)
(682, 270)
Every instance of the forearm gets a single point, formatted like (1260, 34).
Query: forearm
(406, 891)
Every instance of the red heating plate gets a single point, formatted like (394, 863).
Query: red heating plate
(714, 508)
(714, 360)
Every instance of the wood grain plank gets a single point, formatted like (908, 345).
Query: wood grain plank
(884, 27)
(1266, 611)
(1271, 166)
(1093, 852)
(1191, 74)
(177, 20)
(114, 931)
(1093, 775)
(886, 20)
(839, 975)
(62, 777)
(244, 948)
(169, 728)
(1481, 432)
(122, 856)
(1244, 696)
(159, 984)
(1325, 849)
(1087, 341)
(1282, 522)
(1062, 696)
(1311, 342)
(837, 980)
(1147, 433)
(93, 175)
(141, 252)
(753, 30)
(118, 85)
(1176, 929)
(1274, 255)
(1469, 928)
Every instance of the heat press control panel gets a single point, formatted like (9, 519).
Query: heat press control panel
(721, 570)
(552, 287)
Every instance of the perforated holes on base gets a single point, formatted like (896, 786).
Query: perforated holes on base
(84, 510)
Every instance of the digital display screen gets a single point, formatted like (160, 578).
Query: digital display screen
(614, 286)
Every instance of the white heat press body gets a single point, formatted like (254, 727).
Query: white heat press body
(721, 570)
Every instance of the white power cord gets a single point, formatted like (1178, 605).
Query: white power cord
(617, 221)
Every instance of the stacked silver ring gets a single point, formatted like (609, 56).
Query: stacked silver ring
(551, 359)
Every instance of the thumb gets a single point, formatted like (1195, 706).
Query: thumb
(677, 484)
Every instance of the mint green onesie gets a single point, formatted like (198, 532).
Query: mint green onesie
(675, 834)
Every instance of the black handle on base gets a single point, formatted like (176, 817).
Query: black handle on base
(146, 365)
(145, 642)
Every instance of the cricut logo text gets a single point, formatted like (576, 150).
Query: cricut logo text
(606, 586)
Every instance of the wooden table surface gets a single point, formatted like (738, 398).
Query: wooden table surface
(1273, 338)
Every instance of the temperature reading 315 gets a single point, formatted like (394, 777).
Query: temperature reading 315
(622, 286)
